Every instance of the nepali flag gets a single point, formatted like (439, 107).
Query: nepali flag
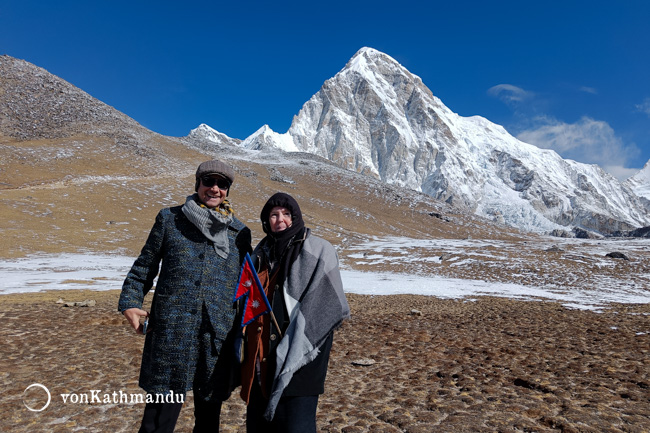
(250, 287)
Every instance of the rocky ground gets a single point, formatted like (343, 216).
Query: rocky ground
(427, 365)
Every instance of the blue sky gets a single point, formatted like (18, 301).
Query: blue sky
(569, 75)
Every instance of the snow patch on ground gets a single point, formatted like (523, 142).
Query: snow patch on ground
(107, 272)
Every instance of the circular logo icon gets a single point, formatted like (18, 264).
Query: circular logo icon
(47, 391)
(248, 283)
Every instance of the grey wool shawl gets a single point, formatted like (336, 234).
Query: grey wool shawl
(211, 223)
(313, 295)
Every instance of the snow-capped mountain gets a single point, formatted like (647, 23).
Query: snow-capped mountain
(376, 118)
(204, 132)
(265, 138)
(640, 184)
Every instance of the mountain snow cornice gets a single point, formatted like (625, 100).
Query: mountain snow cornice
(377, 118)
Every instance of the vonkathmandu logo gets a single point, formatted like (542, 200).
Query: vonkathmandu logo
(44, 388)
(97, 396)
(35, 394)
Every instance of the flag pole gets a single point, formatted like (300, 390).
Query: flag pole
(275, 322)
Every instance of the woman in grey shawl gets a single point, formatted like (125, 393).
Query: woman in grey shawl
(286, 354)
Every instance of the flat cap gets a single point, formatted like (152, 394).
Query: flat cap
(216, 167)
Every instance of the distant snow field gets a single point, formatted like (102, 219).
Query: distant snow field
(106, 272)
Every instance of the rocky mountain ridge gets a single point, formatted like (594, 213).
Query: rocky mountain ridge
(35, 104)
(376, 118)
(53, 131)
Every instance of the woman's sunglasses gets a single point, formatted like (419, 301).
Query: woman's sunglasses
(221, 183)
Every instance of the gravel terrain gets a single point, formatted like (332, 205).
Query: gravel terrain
(403, 363)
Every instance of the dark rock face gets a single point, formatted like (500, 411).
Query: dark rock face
(617, 255)
(584, 234)
(560, 233)
(643, 232)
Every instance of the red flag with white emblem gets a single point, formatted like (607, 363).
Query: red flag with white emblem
(249, 286)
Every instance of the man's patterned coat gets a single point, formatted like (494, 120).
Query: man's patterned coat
(192, 310)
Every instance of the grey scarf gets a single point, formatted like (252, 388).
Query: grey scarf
(212, 223)
(315, 301)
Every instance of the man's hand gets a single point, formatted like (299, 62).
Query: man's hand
(133, 316)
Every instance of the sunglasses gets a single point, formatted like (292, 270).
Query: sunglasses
(221, 183)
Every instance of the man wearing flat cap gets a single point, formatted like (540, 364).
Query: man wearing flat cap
(201, 245)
